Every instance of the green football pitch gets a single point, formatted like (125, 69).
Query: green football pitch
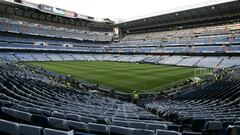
(124, 77)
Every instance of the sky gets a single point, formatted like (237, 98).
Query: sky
(119, 9)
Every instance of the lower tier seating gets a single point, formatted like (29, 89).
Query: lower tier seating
(191, 61)
(211, 109)
(30, 103)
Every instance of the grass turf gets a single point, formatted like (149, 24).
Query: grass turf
(124, 77)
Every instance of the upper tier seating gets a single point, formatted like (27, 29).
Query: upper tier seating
(20, 41)
(185, 33)
(13, 26)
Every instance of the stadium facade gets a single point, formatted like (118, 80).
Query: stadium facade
(202, 36)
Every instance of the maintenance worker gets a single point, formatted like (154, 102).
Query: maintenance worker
(135, 97)
(68, 85)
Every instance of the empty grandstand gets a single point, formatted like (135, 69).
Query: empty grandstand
(172, 73)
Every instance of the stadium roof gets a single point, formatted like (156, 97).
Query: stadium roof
(211, 9)
(179, 9)
(54, 10)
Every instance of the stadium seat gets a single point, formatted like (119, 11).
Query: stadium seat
(233, 130)
(58, 115)
(225, 124)
(30, 130)
(40, 120)
(80, 133)
(34, 110)
(73, 117)
(19, 107)
(48, 131)
(77, 126)
(18, 115)
(24, 116)
(143, 132)
(155, 126)
(120, 123)
(58, 123)
(191, 133)
(46, 113)
(163, 122)
(97, 128)
(9, 128)
(137, 125)
(8, 112)
(104, 120)
(213, 125)
(119, 130)
(236, 123)
(166, 132)
(5, 103)
(177, 128)
(87, 119)
(198, 124)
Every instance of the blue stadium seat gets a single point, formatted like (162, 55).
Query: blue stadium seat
(48, 131)
(58, 115)
(119, 130)
(18, 115)
(9, 128)
(77, 126)
(166, 132)
(58, 123)
(137, 125)
(155, 126)
(120, 123)
(233, 130)
(213, 128)
(30, 130)
(191, 133)
(97, 128)
(40, 120)
(73, 117)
